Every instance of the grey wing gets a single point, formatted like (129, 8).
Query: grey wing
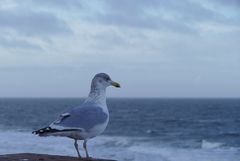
(84, 117)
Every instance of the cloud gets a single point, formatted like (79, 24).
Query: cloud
(18, 44)
(162, 40)
(174, 16)
(25, 26)
(233, 3)
(30, 23)
(62, 4)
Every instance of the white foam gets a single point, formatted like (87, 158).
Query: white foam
(210, 145)
(159, 153)
(119, 148)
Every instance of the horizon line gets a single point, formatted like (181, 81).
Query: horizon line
(122, 97)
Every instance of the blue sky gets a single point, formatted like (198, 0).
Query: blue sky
(154, 48)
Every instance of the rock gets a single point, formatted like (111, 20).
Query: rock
(43, 157)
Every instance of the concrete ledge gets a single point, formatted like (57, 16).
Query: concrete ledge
(43, 157)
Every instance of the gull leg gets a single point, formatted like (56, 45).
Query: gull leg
(76, 147)
(85, 148)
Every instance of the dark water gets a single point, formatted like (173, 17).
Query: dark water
(178, 122)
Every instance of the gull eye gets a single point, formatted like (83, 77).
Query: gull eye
(100, 80)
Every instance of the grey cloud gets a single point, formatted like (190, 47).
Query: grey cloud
(19, 44)
(63, 4)
(110, 38)
(235, 3)
(141, 14)
(191, 11)
(143, 22)
(26, 22)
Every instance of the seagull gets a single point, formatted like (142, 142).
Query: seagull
(87, 120)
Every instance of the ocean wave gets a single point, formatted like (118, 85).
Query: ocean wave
(115, 147)
(230, 134)
(211, 145)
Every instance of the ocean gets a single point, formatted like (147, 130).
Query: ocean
(139, 129)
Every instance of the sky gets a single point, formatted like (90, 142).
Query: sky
(153, 48)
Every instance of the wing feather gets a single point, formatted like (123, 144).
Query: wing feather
(84, 117)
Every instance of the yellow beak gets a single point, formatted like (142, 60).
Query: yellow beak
(115, 84)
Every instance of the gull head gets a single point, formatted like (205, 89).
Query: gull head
(102, 81)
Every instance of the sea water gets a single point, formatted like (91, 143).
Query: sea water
(139, 129)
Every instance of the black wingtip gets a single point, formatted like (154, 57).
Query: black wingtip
(47, 130)
(35, 132)
(42, 131)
